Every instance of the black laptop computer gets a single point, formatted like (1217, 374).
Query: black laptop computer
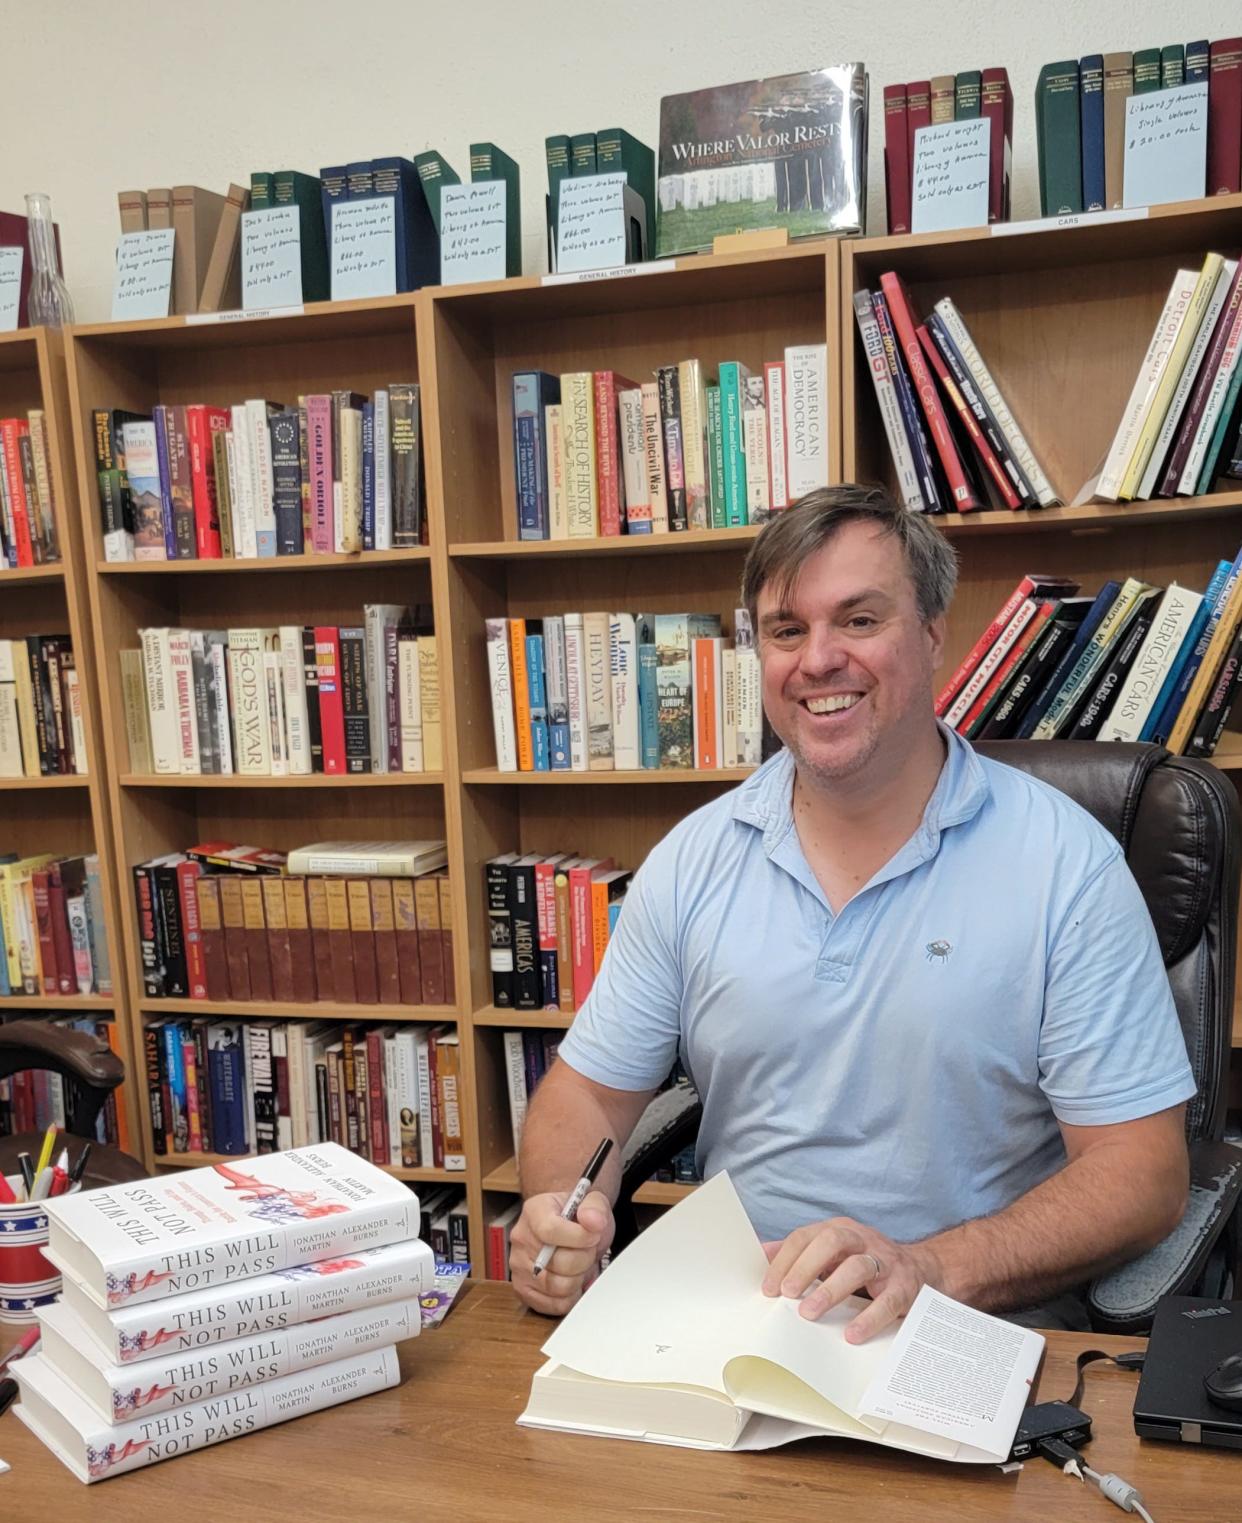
(1189, 1337)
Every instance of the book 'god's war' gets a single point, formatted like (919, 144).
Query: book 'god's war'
(786, 152)
(209, 1227)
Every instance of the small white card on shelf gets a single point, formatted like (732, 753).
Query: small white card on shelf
(950, 181)
(593, 222)
(364, 248)
(10, 286)
(472, 232)
(271, 258)
(1166, 145)
(144, 272)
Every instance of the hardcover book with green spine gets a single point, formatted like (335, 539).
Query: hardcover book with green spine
(788, 152)
(260, 190)
(289, 188)
(968, 95)
(1172, 66)
(487, 162)
(1146, 70)
(582, 154)
(1060, 139)
(435, 172)
(616, 150)
(556, 149)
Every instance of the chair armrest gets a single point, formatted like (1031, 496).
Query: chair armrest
(1124, 1300)
(669, 1123)
(77, 1055)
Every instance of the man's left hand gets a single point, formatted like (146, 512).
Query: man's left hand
(848, 1257)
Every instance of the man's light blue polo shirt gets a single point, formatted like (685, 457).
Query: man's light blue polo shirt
(904, 1062)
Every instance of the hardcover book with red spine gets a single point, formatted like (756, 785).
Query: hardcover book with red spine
(278, 947)
(188, 874)
(377, 1110)
(366, 979)
(340, 944)
(11, 430)
(321, 944)
(383, 929)
(40, 882)
(331, 702)
(211, 940)
(405, 923)
(997, 107)
(301, 947)
(446, 940)
(61, 937)
(1002, 673)
(258, 958)
(918, 114)
(905, 320)
(430, 950)
(982, 448)
(202, 424)
(235, 937)
(1224, 152)
(897, 161)
(607, 383)
(1032, 585)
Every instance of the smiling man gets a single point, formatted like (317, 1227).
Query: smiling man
(918, 991)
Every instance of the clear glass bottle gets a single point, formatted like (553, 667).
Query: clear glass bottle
(49, 303)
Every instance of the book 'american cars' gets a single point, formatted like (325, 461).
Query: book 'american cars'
(789, 152)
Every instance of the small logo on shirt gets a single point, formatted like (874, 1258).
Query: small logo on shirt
(938, 951)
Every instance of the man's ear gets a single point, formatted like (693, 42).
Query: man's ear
(935, 634)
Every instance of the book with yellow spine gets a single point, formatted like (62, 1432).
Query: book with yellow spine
(1205, 677)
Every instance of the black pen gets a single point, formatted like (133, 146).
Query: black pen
(25, 1164)
(79, 1167)
(569, 1211)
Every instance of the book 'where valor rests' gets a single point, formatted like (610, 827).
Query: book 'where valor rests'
(677, 1344)
(211, 1226)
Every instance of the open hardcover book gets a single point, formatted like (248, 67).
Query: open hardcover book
(677, 1344)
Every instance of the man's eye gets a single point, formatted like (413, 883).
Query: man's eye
(790, 632)
(862, 621)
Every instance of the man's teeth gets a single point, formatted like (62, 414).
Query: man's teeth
(834, 704)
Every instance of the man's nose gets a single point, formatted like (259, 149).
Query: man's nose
(823, 650)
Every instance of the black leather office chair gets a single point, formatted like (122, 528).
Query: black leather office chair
(1178, 823)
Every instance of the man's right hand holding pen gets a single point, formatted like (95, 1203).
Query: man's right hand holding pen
(579, 1247)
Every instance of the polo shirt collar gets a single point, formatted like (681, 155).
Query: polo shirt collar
(765, 799)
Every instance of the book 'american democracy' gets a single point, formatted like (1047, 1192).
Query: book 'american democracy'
(790, 151)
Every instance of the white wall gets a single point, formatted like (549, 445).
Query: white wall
(95, 97)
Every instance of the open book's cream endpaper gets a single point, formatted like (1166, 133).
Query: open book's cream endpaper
(678, 1344)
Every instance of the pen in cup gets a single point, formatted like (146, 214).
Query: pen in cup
(569, 1211)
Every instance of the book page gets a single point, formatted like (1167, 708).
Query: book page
(956, 1372)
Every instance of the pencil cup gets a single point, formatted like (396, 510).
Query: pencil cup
(27, 1281)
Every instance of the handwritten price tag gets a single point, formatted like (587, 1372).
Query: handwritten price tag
(10, 286)
(472, 232)
(271, 258)
(364, 248)
(950, 185)
(144, 270)
(591, 224)
(1166, 145)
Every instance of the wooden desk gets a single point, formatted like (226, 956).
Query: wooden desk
(443, 1445)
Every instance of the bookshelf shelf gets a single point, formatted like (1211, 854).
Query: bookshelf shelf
(489, 775)
(368, 560)
(230, 1010)
(39, 784)
(1092, 518)
(317, 780)
(25, 575)
(689, 541)
(656, 1192)
(66, 1002)
(532, 1020)
(205, 1160)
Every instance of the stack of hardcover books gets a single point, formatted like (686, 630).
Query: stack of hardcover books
(219, 1301)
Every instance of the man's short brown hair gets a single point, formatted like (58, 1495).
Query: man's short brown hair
(791, 537)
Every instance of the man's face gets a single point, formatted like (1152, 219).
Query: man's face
(847, 660)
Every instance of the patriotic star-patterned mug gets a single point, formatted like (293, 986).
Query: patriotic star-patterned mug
(27, 1280)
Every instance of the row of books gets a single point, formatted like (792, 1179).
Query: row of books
(1135, 662)
(206, 271)
(285, 702)
(154, 1348)
(41, 727)
(955, 444)
(610, 151)
(27, 511)
(336, 927)
(598, 454)
(603, 692)
(52, 925)
(32, 1099)
(549, 921)
(1180, 424)
(338, 473)
(391, 1094)
(961, 97)
(1080, 121)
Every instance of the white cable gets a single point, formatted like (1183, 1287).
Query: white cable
(1119, 1492)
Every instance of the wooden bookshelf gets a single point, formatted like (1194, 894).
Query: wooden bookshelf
(68, 815)
(503, 1180)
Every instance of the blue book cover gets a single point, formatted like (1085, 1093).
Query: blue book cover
(333, 186)
(648, 694)
(5, 987)
(1095, 614)
(226, 1066)
(417, 237)
(1091, 96)
(1224, 424)
(160, 417)
(614, 914)
(368, 475)
(1151, 730)
(533, 390)
(177, 1125)
(538, 703)
(1197, 61)
(908, 405)
(1168, 716)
